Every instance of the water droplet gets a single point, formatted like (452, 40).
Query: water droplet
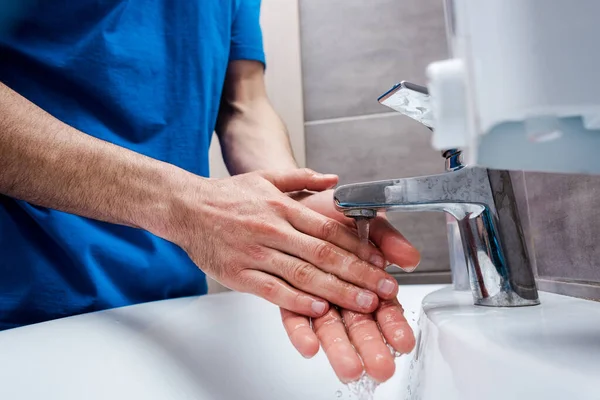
(338, 393)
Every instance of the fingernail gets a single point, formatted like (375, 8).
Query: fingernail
(318, 307)
(330, 176)
(386, 287)
(364, 300)
(377, 260)
(410, 269)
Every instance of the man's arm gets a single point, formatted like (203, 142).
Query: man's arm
(251, 134)
(48, 163)
(229, 227)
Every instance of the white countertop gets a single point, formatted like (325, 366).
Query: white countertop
(225, 346)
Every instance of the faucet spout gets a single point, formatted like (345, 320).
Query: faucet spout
(488, 223)
(463, 191)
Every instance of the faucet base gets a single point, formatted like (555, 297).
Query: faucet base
(505, 299)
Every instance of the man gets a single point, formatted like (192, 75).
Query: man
(106, 114)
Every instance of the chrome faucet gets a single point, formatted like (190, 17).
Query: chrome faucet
(480, 200)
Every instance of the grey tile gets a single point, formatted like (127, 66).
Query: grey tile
(384, 148)
(427, 232)
(565, 226)
(354, 50)
(426, 278)
(366, 150)
(573, 289)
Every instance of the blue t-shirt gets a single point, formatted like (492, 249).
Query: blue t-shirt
(143, 74)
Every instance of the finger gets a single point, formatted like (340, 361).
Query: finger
(393, 245)
(394, 326)
(307, 277)
(324, 244)
(300, 333)
(280, 293)
(366, 338)
(326, 208)
(342, 356)
(342, 236)
(300, 179)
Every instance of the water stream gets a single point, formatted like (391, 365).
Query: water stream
(362, 225)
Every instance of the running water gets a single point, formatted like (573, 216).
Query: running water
(364, 388)
(362, 225)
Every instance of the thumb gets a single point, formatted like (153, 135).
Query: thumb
(300, 179)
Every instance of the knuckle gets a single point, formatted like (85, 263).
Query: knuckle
(323, 251)
(256, 252)
(330, 318)
(330, 229)
(296, 302)
(356, 322)
(360, 271)
(235, 278)
(389, 305)
(268, 289)
(304, 274)
(278, 205)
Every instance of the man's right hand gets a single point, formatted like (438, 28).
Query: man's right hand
(247, 234)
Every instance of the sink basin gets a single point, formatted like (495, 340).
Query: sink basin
(465, 352)
(225, 346)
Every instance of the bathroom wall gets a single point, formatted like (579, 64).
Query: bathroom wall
(353, 51)
(561, 221)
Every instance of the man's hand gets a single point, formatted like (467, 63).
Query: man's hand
(347, 336)
(243, 231)
(253, 137)
(247, 234)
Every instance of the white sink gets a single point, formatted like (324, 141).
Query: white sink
(227, 346)
(464, 352)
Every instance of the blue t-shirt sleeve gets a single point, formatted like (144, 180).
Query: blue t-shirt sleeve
(246, 35)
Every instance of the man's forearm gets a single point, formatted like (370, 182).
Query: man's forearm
(251, 134)
(255, 138)
(48, 163)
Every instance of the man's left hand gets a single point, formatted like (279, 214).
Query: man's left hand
(348, 337)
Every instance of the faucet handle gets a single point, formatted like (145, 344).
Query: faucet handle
(411, 100)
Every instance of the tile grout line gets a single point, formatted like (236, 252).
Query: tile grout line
(351, 119)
